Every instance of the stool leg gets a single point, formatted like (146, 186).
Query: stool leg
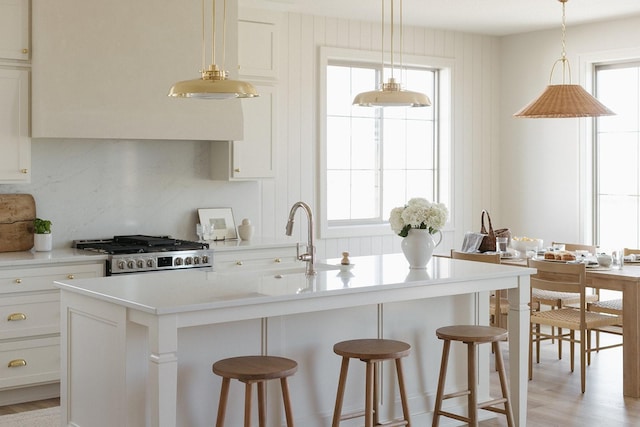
(441, 380)
(262, 403)
(247, 405)
(403, 392)
(376, 398)
(222, 406)
(472, 398)
(368, 396)
(503, 382)
(287, 401)
(337, 412)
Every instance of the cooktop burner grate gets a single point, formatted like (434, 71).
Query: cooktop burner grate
(133, 244)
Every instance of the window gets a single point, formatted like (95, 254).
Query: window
(376, 158)
(617, 157)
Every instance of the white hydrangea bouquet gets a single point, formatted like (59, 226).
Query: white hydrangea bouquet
(418, 213)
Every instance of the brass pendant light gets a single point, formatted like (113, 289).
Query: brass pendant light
(214, 83)
(564, 100)
(391, 93)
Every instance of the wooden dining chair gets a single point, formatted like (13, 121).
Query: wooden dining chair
(498, 302)
(560, 277)
(572, 247)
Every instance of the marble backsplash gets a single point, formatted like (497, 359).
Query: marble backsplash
(101, 188)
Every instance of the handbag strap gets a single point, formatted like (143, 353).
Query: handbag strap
(482, 227)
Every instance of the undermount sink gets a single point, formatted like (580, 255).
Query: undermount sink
(301, 268)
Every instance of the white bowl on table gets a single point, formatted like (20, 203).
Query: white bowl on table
(523, 246)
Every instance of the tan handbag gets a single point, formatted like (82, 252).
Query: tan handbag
(489, 241)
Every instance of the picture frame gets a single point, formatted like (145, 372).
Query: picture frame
(223, 226)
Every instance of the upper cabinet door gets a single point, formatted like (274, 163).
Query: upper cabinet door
(103, 69)
(258, 45)
(15, 145)
(14, 29)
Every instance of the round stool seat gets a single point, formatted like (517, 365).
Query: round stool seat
(255, 368)
(472, 333)
(372, 349)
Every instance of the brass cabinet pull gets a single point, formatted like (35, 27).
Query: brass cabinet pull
(24, 171)
(277, 260)
(13, 317)
(238, 262)
(18, 281)
(236, 170)
(25, 51)
(17, 363)
(71, 276)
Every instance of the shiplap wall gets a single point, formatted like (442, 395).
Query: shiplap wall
(475, 119)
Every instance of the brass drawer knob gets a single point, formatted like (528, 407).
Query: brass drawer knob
(277, 260)
(18, 281)
(13, 317)
(71, 276)
(239, 263)
(24, 171)
(16, 363)
(25, 51)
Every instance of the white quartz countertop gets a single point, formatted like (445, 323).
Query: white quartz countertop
(56, 256)
(191, 291)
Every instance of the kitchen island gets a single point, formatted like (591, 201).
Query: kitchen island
(137, 350)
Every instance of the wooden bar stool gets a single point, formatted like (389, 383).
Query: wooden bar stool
(254, 369)
(372, 352)
(472, 336)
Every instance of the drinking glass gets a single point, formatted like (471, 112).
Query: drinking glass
(617, 259)
(200, 232)
(501, 244)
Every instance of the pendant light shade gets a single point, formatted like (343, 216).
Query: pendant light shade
(214, 83)
(564, 100)
(558, 101)
(391, 93)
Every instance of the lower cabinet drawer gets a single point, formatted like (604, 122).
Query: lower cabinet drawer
(30, 315)
(28, 362)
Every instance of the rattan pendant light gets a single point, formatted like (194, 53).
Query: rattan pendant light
(214, 83)
(564, 100)
(391, 93)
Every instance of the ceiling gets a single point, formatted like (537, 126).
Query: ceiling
(492, 17)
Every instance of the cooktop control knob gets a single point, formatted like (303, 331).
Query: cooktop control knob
(150, 263)
(188, 260)
(121, 264)
(140, 263)
(196, 260)
(130, 264)
(205, 259)
(178, 261)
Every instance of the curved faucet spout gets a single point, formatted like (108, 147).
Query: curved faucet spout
(310, 256)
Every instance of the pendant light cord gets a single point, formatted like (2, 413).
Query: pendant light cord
(204, 59)
(566, 67)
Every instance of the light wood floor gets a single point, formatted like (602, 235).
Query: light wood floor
(30, 406)
(554, 394)
(554, 397)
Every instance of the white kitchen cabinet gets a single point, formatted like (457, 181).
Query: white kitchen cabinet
(15, 144)
(30, 328)
(247, 258)
(104, 69)
(254, 156)
(258, 33)
(14, 30)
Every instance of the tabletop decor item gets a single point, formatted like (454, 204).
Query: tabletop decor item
(417, 221)
(489, 242)
(42, 240)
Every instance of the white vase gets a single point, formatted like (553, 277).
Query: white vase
(42, 242)
(418, 247)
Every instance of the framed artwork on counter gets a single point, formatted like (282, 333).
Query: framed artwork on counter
(220, 223)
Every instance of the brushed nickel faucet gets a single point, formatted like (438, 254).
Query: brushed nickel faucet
(310, 256)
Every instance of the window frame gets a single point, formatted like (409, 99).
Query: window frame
(444, 152)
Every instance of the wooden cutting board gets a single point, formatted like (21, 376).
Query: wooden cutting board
(17, 212)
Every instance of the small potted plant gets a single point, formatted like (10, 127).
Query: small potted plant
(42, 241)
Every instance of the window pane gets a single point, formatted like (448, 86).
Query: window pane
(376, 158)
(617, 156)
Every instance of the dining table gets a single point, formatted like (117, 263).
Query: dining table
(627, 281)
